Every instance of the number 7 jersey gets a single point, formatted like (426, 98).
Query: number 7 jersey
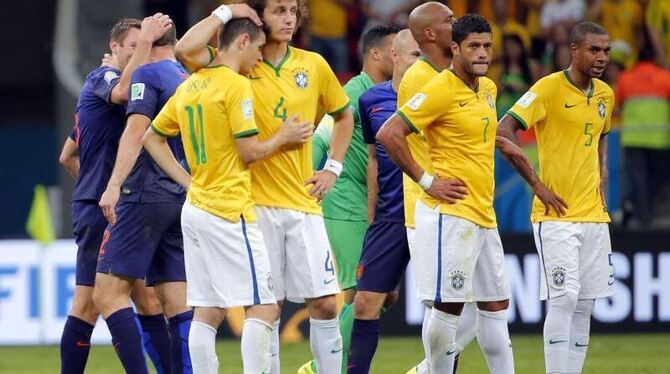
(568, 126)
(296, 86)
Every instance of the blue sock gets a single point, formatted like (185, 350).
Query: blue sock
(364, 339)
(75, 345)
(127, 339)
(179, 327)
(156, 341)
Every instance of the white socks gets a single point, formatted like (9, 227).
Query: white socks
(326, 343)
(274, 348)
(467, 325)
(493, 338)
(579, 335)
(256, 346)
(441, 337)
(202, 348)
(422, 368)
(557, 332)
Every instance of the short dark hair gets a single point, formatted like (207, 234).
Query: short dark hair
(235, 28)
(469, 24)
(169, 38)
(259, 7)
(375, 37)
(578, 33)
(122, 27)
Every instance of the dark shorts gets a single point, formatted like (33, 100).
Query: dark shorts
(88, 225)
(384, 258)
(145, 243)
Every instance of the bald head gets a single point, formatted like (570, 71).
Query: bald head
(405, 52)
(404, 41)
(426, 18)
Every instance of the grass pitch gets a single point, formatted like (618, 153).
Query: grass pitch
(608, 354)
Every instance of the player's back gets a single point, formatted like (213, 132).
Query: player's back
(296, 86)
(376, 106)
(99, 124)
(151, 87)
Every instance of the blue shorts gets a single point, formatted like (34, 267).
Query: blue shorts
(384, 258)
(88, 225)
(145, 243)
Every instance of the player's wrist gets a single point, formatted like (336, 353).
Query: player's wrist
(224, 13)
(426, 181)
(333, 166)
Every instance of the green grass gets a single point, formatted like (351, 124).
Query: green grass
(608, 354)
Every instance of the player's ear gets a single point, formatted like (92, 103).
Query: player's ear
(244, 41)
(455, 48)
(429, 34)
(113, 46)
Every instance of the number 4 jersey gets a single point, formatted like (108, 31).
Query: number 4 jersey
(569, 124)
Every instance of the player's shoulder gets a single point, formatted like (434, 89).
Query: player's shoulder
(108, 73)
(375, 92)
(304, 56)
(487, 83)
(600, 88)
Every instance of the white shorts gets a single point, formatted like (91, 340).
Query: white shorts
(458, 260)
(575, 257)
(300, 254)
(227, 264)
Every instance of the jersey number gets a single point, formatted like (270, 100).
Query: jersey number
(279, 111)
(589, 135)
(486, 126)
(193, 125)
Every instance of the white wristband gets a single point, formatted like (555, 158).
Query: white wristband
(426, 181)
(224, 13)
(333, 166)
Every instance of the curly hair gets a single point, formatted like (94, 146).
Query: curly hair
(259, 7)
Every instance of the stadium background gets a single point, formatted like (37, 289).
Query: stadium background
(50, 45)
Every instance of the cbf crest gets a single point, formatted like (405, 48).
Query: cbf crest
(489, 99)
(300, 78)
(457, 280)
(601, 108)
(558, 276)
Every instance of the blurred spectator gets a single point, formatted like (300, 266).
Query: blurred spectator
(503, 24)
(387, 12)
(327, 28)
(657, 17)
(516, 77)
(621, 18)
(643, 93)
(561, 14)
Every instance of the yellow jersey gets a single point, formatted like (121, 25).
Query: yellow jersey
(211, 109)
(301, 83)
(460, 127)
(657, 16)
(568, 125)
(420, 73)
(327, 19)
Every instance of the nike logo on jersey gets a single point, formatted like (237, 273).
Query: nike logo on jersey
(254, 78)
(83, 344)
(376, 109)
(552, 341)
(568, 106)
(578, 344)
(328, 281)
(336, 350)
(463, 103)
(449, 353)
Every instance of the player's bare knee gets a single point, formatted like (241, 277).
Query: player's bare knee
(324, 307)
(83, 306)
(266, 312)
(493, 306)
(209, 316)
(449, 308)
(391, 298)
(172, 296)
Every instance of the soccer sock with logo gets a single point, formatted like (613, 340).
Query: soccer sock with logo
(256, 346)
(127, 339)
(579, 335)
(202, 347)
(179, 355)
(557, 332)
(75, 344)
(156, 341)
(274, 348)
(467, 326)
(493, 338)
(326, 344)
(346, 320)
(364, 340)
(441, 337)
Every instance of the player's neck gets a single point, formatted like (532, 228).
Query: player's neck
(229, 60)
(580, 79)
(470, 80)
(395, 81)
(374, 73)
(436, 56)
(162, 53)
(274, 52)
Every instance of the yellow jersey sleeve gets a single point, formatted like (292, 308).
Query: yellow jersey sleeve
(241, 110)
(425, 107)
(531, 108)
(331, 94)
(166, 122)
(608, 116)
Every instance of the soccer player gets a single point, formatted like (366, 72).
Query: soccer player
(430, 24)
(571, 111)
(460, 256)
(143, 239)
(385, 253)
(88, 155)
(227, 263)
(288, 82)
(344, 208)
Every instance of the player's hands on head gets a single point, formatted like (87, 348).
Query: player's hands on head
(108, 202)
(550, 199)
(154, 27)
(322, 181)
(293, 132)
(448, 190)
(245, 11)
(109, 60)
